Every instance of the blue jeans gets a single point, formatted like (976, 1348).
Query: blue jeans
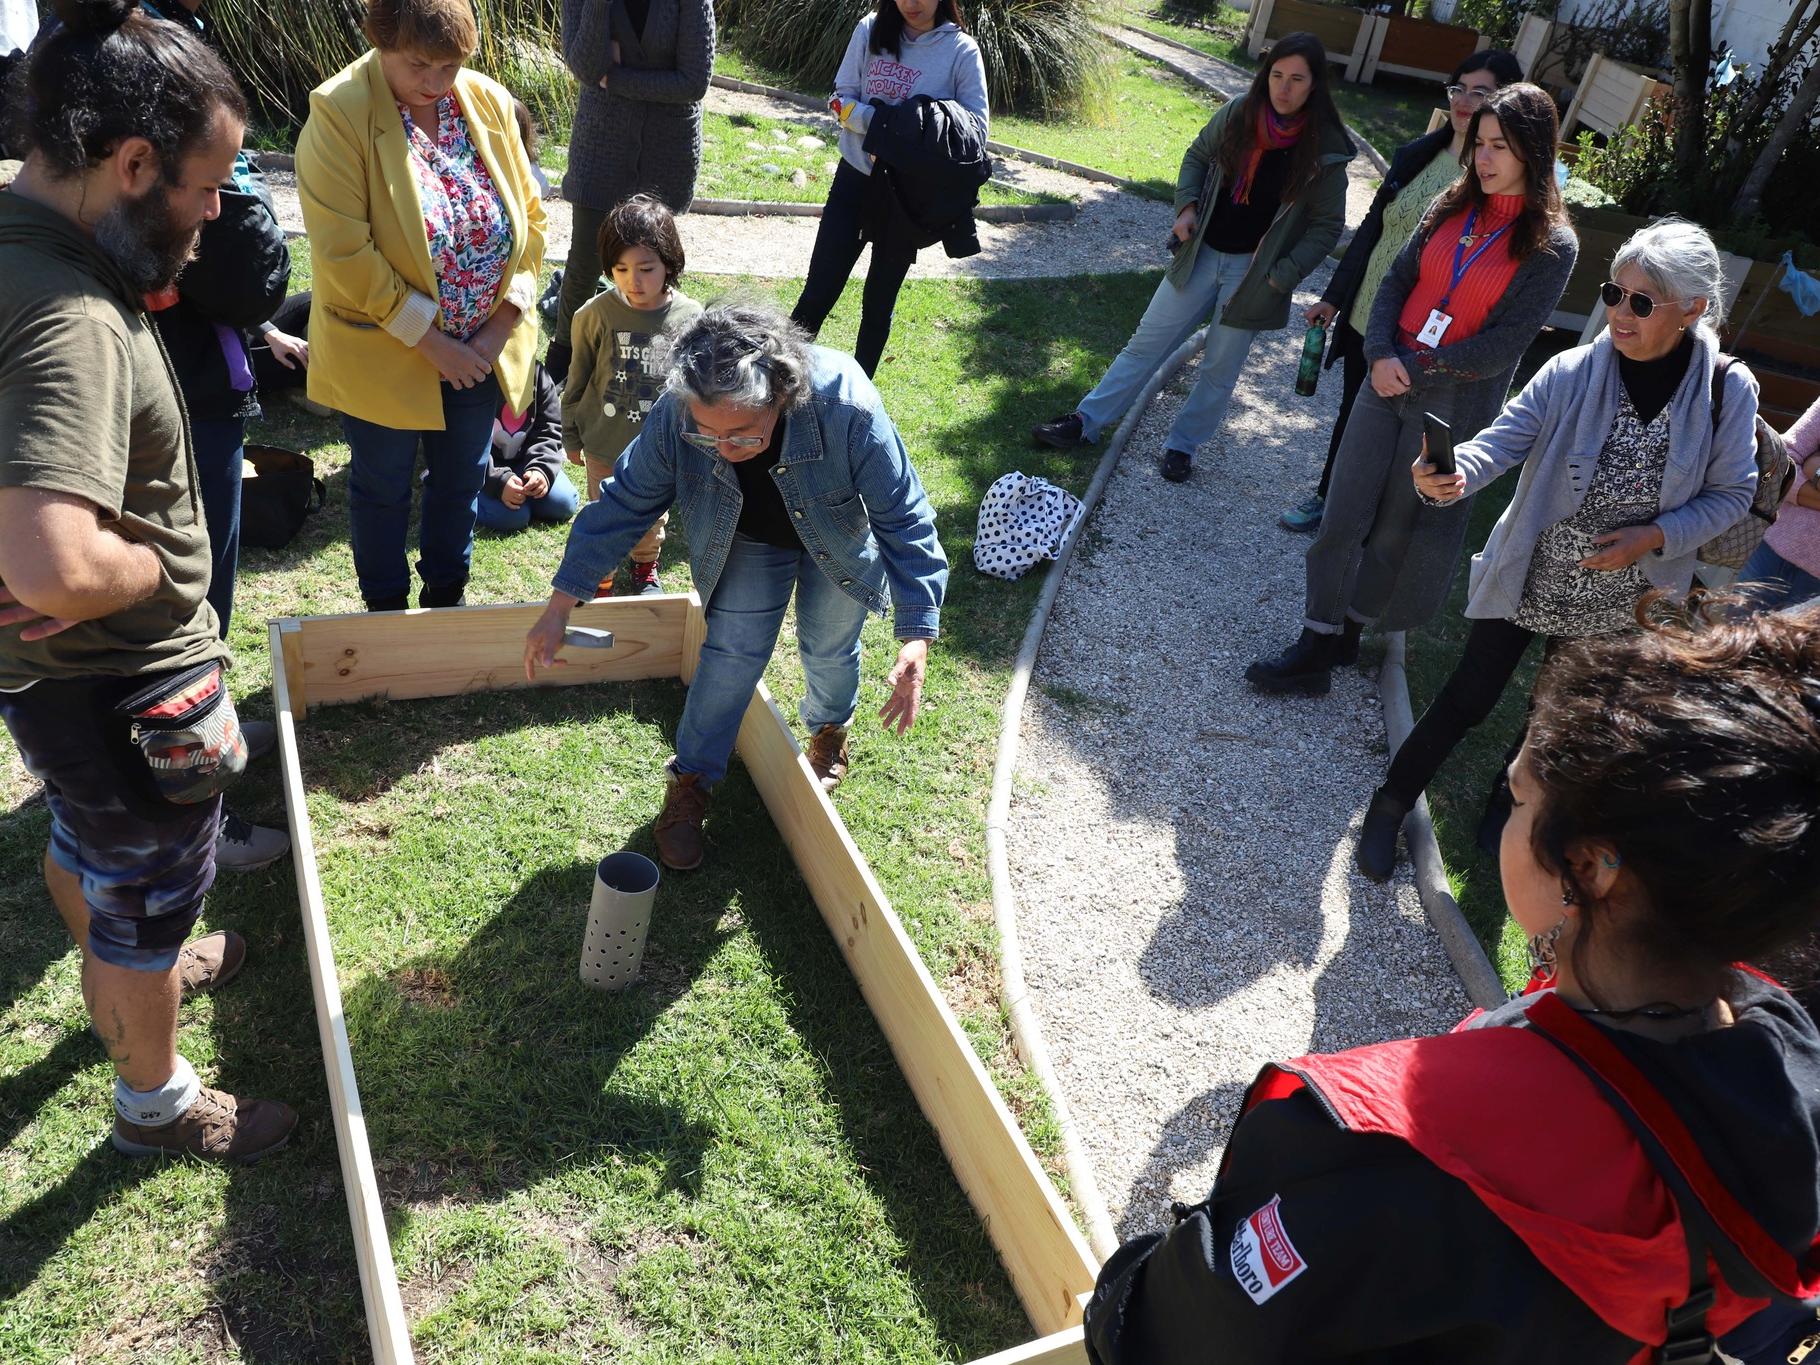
(220, 453)
(744, 616)
(1774, 583)
(1173, 314)
(382, 460)
(558, 504)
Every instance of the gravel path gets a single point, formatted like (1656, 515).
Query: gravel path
(1182, 847)
(1113, 232)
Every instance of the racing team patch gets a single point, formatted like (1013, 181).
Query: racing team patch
(1263, 1257)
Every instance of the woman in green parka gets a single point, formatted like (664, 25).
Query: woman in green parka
(1259, 202)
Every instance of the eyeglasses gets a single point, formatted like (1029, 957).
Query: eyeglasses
(1471, 95)
(1641, 305)
(712, 444)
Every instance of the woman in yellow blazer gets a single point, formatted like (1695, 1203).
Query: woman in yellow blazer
(426, 235)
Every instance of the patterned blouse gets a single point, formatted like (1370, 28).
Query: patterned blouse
(1562, 599)
(464, 219)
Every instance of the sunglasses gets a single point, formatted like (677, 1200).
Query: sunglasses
(1641, 305)
(1466, 94)
(712, 444)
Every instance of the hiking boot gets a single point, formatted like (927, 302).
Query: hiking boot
(210, 962)
(1177, 465)
(1348, 653)
(1305, 516)
(244, 847)
(260, 737)
(216, 1127)
(643, 579)
(1306, 666)
(678, 827)
(1064, 432)
(827, 755)
(1376, 854)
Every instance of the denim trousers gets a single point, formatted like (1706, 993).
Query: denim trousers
(381, 463)
(1773, 582)
(837, 247)
(744, 616)
(220, 452)
(1172, 315)
(558, 504)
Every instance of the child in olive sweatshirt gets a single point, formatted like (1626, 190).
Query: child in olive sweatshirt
(620, 353)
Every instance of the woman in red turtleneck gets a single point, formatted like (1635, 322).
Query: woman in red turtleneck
(1468, 294)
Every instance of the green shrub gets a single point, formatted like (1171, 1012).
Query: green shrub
(283, 49)
(1043, 57)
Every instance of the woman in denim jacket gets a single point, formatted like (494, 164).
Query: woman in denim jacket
(788, 475)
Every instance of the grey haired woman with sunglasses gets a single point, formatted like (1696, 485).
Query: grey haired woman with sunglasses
(1632, 460)
(791, 482)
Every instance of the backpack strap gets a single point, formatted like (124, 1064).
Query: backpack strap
(1721, 367)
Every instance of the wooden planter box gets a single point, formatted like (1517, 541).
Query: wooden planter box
(1601, 233)
(1610, 96)
(331, 660)
(1418, 47)
(1344, 31)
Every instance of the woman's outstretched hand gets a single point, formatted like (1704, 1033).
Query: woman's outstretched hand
(906, 683)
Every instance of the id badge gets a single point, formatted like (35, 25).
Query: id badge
(1435, 328)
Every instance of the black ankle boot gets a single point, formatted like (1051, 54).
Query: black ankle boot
(1350, 630)
(1306, 666)
(1376, 854)
(445, 595)
(402, 602)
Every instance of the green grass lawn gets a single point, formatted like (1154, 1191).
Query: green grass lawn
(723, 1163)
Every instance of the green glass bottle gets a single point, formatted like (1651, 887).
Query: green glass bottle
(1308, 373)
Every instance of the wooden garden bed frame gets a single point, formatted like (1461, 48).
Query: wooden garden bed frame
(330, 660)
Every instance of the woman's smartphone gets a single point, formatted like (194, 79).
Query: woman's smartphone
(1440, 444)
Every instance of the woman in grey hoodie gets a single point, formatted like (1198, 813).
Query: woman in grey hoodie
(904, 49)
(1636, 451)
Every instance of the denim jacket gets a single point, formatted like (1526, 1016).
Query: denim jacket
(843, 472)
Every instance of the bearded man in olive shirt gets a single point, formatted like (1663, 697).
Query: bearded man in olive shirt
(132, 123)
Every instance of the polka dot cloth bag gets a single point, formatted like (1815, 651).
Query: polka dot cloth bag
(1023, 520)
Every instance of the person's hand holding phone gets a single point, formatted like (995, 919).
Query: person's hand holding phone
(1388, 377)
(1432, 483)
(1186, 222)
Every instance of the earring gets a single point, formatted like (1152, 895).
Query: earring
(1542, 947)
(1611, 862)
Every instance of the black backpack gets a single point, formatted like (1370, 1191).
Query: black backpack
(278, 489)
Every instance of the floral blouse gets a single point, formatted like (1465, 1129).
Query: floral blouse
(464, 219)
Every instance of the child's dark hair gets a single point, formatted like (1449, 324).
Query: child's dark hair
(888, 24)
(642, 221)
(1692, 747)
(527, 129)
(112, 72)
(1241, 132)
(1526, 116)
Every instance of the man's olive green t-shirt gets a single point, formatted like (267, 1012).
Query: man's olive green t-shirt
(89, 407)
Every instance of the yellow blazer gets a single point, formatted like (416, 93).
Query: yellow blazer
(370, 257)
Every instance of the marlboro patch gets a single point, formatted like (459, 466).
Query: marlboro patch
(1263, 1257)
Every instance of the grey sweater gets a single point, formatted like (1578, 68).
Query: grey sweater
(943, 64)
(1557, 427)
(1464, 383)
(643, 132)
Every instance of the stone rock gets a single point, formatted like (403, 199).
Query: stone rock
(799, 178)
(810, 144)
(771, 168)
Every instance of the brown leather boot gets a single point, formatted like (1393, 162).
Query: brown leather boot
(827, 755)
(678, 827)
(211, 961)
(216, 1127)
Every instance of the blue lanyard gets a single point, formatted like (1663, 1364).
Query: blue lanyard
(1459, 270)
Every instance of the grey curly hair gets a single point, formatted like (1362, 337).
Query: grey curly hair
(1679, 258)
(745, 354)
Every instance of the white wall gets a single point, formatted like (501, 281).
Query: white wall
(1750, 26)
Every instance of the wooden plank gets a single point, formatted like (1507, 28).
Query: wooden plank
(695, 634)
(1059, 1348)
(387, 1328)
(1048, 1261)
(452, 650)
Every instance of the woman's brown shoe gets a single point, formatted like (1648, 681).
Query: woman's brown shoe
(678, 827)
(827, 755)
(216, 1127)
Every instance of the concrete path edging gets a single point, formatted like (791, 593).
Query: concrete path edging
(1026, 1030)
(1469, 959)
(984, 213)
